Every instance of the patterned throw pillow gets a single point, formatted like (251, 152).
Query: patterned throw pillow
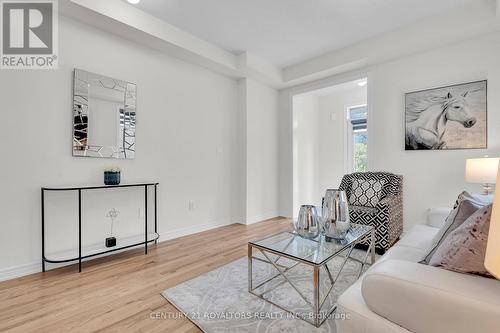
(477, 198)
(458, 216)
(366, 193)
(464, 249)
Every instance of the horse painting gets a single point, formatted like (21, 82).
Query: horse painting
(428, 115)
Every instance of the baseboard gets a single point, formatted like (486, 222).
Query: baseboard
(19, 271)
(36, 267)
(195, 229)
(261, 217)
(285, 214)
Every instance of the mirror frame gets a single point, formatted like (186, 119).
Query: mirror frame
(82, 82)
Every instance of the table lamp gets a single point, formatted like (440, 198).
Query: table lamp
(492, 260)
(482, 171)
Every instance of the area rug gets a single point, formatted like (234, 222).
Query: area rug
(219, 301)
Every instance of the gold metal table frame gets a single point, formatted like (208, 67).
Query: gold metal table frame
(317, 305)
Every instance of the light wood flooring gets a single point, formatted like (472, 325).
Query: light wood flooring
(121, 293)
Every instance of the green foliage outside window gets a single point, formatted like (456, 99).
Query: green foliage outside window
(360, 152)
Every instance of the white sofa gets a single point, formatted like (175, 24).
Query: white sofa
(398, 294)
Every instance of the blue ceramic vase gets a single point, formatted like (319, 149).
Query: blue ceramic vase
(111, 178)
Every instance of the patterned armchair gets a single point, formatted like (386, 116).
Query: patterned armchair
(387, 215)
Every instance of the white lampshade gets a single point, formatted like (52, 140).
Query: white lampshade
(492, 261)
(481, 170)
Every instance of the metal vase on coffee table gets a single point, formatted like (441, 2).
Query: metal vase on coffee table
(335, 213)
(308, 223)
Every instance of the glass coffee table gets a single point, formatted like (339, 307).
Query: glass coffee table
(286, 250)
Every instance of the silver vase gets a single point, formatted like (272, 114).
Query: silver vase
(308, 223)
(335, 214)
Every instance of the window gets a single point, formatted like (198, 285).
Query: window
(357, 122)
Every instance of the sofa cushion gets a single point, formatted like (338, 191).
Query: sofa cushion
(464, 249)
(413, 246)
(406, 253)
(461, 213)
(426, 299)
(359, 318)
(436, 217)
(366, 192)
(419, 237)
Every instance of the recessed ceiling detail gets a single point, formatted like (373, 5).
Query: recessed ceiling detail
(285, 32)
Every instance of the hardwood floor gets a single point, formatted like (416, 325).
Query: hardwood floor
(122, 293)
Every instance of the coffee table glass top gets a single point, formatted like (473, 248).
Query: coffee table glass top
(314, 251)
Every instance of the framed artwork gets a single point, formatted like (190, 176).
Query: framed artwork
(452, 117)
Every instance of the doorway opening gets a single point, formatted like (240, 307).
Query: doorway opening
(330, 138)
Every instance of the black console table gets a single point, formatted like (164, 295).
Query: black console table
(80, 189)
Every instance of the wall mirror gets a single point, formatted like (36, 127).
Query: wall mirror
(104, 116)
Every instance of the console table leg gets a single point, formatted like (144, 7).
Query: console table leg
(156, 213)
(80, 230)
(43, 228)
(146, 219)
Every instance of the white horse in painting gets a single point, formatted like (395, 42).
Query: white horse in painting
(426, 120)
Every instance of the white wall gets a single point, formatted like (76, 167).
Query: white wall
(320, 141)
(432, 178)
(188, 139)
(259, 110)
(305, 151)
(332, 134)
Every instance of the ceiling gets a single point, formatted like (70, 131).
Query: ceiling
(338, 88)
(285, 32)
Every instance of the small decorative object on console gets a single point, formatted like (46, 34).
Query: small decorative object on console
(112, 214)
(308, 224)
(112, 176)
(335, 214)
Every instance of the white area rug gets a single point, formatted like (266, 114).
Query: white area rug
(219, 301)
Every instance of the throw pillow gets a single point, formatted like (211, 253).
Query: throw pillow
(464, 249)
(479, 199)
(366, 193)
(458, 216)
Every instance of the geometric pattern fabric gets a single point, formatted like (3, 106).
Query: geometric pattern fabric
(387, 215)
(366, 193)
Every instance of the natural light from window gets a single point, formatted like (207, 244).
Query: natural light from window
(358, 137)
